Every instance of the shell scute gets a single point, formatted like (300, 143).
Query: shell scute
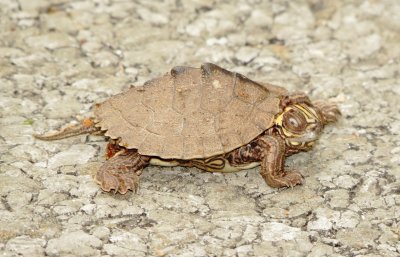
(262, 120)
(128, 136)
(193, 146)
(186, 90)
(153, 147)
(200, 123)
(230, 139)
(173, 147)
(212, 144)
(164, 94)
(271, 106)
(249, 91)
(216, 82)
(166, 121)
(235, 113)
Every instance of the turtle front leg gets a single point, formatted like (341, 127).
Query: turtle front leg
(273, 162)
(121, 172)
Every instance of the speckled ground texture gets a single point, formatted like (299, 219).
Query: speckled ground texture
(59, 57)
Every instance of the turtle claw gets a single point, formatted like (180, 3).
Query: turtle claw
(292, 179)
(117, 182)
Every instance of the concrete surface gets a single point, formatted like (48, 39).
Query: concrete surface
(58, 57)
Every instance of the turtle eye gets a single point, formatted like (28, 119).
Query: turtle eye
(294, 121)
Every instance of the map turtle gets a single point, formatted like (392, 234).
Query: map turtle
(207, 117)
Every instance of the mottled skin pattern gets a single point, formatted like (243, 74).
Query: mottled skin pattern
(295, 131)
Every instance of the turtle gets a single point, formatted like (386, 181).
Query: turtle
(209, 118)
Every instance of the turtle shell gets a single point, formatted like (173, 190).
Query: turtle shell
(190, 113)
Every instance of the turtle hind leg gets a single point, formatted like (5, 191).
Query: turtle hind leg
(272, 164)
(121, 172)
(87, 126)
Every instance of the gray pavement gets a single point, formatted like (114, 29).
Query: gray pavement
(59, 57)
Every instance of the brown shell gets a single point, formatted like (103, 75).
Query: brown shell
(190, 113)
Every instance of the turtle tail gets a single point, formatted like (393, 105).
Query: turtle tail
(87, 126)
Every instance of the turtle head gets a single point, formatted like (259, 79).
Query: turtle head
(300, 125)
